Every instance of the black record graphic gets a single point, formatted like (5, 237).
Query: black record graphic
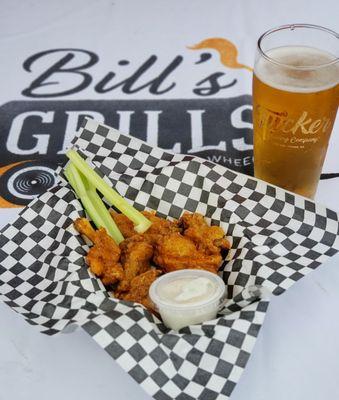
(22, 183)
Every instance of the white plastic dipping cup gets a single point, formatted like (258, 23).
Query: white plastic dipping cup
(187, 297)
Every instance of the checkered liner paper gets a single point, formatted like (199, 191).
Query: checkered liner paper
(276, 237)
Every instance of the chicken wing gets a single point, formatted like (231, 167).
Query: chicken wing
(139, 288)
(174, 252)
(84, 227)
(208, 239)
(136, 255)
(103, 257)
(124, 224)
(160, 226)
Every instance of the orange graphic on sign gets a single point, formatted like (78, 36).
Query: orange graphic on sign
(6, 204)
(227, 50)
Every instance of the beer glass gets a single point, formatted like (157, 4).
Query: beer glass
(295, 101)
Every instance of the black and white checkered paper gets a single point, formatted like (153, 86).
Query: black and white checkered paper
(276, 237)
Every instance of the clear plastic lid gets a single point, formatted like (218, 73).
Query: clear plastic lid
(160, 285)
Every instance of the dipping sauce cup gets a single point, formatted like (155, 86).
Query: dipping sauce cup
(187, 297)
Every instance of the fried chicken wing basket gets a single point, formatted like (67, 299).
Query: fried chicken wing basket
(276, 239)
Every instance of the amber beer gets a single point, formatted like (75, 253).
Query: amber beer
(294, 109)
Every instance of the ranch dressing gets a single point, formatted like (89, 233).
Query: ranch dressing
(187, 297)
(188, 290)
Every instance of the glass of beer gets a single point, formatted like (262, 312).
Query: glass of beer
(295, 101)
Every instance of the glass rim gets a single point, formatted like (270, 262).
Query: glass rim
(292, 27)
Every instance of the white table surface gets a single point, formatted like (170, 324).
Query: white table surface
(295, 357)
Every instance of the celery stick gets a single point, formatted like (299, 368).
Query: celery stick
(140, 221)
(69, 176)
(108, 221)
(92, 203)
(75, 180)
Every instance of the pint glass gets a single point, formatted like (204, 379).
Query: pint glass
(295, 101)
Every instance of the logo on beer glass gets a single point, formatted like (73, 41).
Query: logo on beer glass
(292, 129)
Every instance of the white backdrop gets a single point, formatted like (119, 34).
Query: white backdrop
(296, 353)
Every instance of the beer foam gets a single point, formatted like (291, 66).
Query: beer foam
(298, 80)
